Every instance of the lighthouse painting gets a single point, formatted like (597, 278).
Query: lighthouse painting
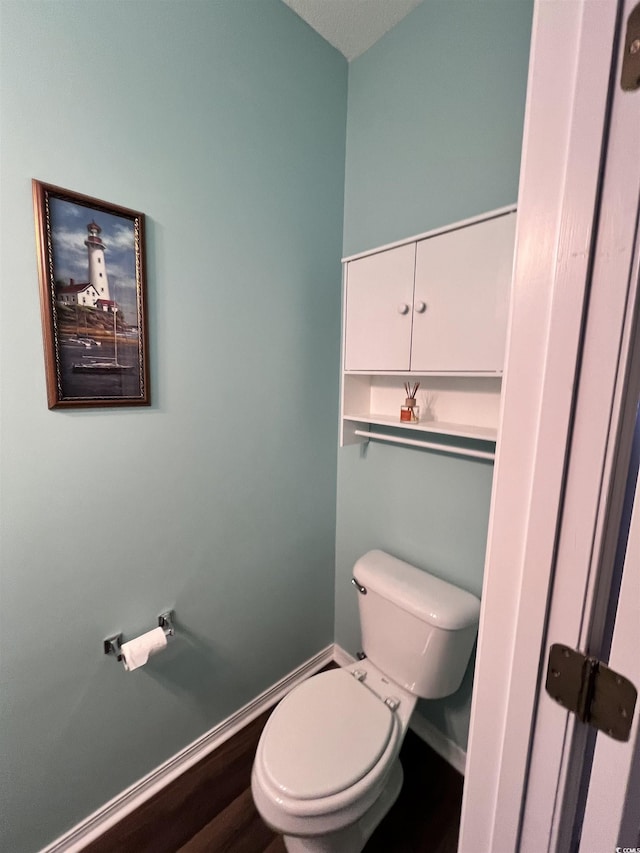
(92, 292)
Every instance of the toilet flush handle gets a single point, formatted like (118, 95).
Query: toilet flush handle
(361, 589)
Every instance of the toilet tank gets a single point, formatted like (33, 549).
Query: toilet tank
(418, 629)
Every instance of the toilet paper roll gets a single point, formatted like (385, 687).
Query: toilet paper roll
(136, 652)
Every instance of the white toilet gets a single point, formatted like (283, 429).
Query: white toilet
(326, 769)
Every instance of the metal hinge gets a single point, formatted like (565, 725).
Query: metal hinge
(630, 75)
(596, 694)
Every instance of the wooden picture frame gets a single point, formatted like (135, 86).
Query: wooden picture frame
(92, 298)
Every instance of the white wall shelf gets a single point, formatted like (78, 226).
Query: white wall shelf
(458, 406)
(437, 427)
(430, 310)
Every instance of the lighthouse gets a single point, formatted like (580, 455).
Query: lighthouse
(97, 267)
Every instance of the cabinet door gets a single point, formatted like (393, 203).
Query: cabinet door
(379, 310)
(462, 287)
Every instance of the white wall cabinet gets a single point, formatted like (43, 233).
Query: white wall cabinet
(379, 310)
(461, 298)
(431, 309)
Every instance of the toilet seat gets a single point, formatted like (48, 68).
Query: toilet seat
(303, 719)
(312, 749)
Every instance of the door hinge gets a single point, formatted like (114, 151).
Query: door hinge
(630, 74)
(588, 688)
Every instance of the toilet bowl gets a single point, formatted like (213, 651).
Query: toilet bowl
(320, 768)
(326, 769)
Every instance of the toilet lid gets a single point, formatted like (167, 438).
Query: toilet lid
(314, 747)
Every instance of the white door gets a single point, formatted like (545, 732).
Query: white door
(597, 475)
(379, 310)
(570, 392)
(612, 813)
(461, 298)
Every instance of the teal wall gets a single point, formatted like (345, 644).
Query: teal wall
(434, 131)
(224, 122)
(434, 126)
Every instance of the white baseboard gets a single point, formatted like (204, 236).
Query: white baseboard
(455, 755)
(341, 657)
(115, 810)
(426, 731)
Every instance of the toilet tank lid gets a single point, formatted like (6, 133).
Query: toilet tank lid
(429, 598)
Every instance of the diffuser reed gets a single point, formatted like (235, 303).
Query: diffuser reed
(410, 412)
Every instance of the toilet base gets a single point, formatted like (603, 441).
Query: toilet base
(353, 838)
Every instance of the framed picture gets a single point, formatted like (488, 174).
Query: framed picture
(92, 299)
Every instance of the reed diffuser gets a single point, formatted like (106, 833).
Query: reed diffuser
(410, 412)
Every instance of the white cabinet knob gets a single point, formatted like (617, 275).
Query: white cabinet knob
(421, 307)
(403, 308)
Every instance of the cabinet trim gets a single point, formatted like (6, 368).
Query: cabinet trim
(454, 374)
(454, 226)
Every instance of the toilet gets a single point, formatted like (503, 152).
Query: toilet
(326, 769)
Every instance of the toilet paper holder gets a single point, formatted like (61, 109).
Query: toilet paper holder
(112, 645)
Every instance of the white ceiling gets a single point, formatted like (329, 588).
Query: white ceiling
(352, 26)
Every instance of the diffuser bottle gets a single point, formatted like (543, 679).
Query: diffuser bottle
(410, 412)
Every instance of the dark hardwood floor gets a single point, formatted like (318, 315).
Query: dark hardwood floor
(426, 816)
(209, 808)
